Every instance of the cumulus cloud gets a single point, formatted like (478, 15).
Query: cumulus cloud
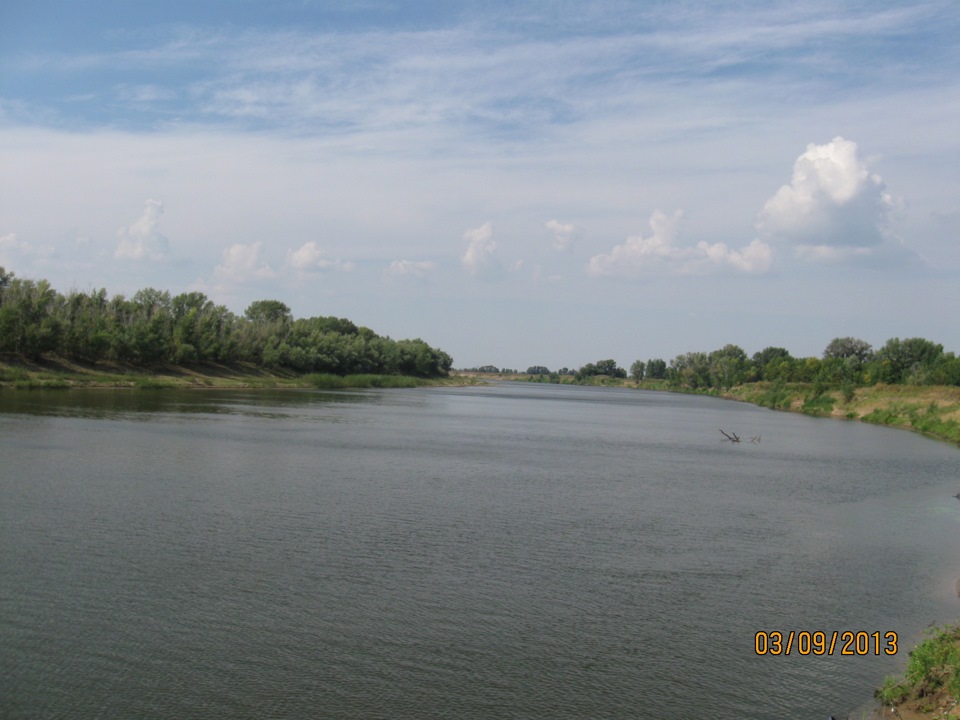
(142, 239)
(753, 258)
(834, 208)
(10, 246)
(562, 234)
(310, 258)
(660, 251)
(241, 263)
(480, 256)
(410, 268)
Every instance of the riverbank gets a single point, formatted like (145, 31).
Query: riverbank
(57, 373)
(933, 410)
(931, 684)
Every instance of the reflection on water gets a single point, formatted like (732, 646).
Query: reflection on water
(150, 405)
(510, 551)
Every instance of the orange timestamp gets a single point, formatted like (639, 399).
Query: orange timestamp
(836, 642)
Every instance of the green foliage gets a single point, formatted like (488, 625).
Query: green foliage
(153, 328)
(849, 390)
(776, 397)
(768, 356)
(929, 420)
(41, 384)
(818, 405)
(148, 382)
(914, 361)
(892, 415)
(892, 692)
(327, 381)
(932, 671)
(267, 311)
(601, 367)
(656, 369)
(13, 374)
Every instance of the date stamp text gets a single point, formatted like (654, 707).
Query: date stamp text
(835, 642)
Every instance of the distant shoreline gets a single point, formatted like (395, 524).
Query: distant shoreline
(931, 410)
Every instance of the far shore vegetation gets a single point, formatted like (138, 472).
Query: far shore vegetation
(912, 383)
(154, 340)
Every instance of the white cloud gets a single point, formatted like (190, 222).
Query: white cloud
(638, 253)
(12, 251)
(410, 268)
(562, 234)
(241, 263)
(142, 240)
(481, 249)
(641, 255)
(310, 258)
(9, 245)
(833, 209)
(757, 257)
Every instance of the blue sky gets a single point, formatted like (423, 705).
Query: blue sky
(546, 183)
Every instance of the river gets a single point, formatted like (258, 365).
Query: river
(508, 551)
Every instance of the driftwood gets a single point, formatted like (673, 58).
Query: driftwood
(733, 437)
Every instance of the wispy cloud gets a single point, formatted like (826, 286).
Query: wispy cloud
(610, 58)
(660, 252)
(411, 268)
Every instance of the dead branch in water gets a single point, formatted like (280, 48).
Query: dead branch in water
(733, 437)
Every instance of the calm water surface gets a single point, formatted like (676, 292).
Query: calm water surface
(515, 551)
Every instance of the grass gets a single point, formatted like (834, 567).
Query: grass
(151, 383)
(931, 682)
(52, 372)
(13, 374)
(931, 419)
(329, 381)
(821, 404)
(929, 409)
(39, 384)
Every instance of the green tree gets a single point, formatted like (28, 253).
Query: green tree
(267, 311)
(28, 319)
(728, 366)
(691, 369)
(772, 363)
(637, 370)
(912, 360)
(657, 369)
(847, 347)
(5, 278)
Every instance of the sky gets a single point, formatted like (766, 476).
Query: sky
(517, 183)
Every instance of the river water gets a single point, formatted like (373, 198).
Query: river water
(510, 551)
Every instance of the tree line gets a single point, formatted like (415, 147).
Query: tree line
(154, 327)
(846, 363)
